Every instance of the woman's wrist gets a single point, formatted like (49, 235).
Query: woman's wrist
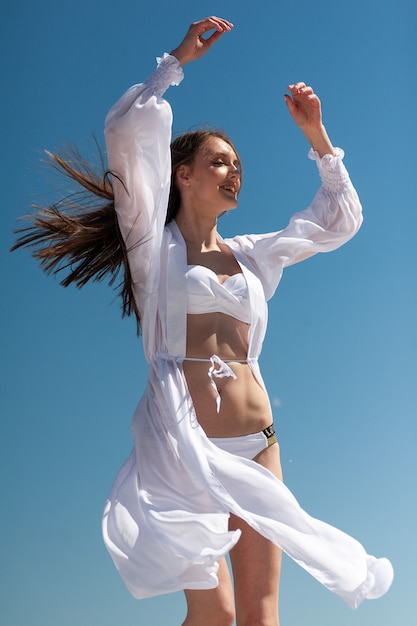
(179, 56)
(319, 141)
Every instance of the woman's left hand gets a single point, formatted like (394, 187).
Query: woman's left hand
(305, 109)
(304, 106)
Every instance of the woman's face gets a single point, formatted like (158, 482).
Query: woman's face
(213, 180)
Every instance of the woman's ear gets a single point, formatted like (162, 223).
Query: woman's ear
(182, 176)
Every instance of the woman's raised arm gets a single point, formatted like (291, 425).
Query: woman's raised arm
(138, 135)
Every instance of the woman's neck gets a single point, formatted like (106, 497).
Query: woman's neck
(198, 231)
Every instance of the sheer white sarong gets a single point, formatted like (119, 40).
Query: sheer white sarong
(166, 519)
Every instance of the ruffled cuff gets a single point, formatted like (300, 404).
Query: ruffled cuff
(332, 172)
(169, 72)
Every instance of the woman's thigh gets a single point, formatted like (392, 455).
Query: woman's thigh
(256, 564)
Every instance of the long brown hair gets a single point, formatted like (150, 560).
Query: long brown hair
(80, 233)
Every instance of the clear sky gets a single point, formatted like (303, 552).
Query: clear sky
(340, 355)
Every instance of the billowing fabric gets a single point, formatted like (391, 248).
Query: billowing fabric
(165, 522)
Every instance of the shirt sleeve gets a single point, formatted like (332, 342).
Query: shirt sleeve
(138, 136)
(333, 217)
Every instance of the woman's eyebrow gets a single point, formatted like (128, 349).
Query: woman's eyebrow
(224, 155)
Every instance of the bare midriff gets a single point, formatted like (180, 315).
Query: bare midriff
(244, 407)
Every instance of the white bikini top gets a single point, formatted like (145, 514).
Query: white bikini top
(205, 294)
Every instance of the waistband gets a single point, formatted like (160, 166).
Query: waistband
(268, 432)
(248, 446)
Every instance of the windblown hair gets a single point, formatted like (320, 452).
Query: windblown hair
(80, 233)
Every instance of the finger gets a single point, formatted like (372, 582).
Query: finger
(290, 104)
(209, 23)
(314, 100)
(296, 86)
(213, 38)
(300, 89)
(219, 25)
(225, 24)
(303, 94)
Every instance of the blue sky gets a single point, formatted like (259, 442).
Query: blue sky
(340, 355)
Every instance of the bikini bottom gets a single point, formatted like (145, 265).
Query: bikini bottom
(248, 446)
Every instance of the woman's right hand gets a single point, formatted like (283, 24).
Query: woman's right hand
(194, 45)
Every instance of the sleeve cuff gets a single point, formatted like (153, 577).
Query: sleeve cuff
(332, 172)
(168, 72)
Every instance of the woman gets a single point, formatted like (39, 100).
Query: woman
(204, 477)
